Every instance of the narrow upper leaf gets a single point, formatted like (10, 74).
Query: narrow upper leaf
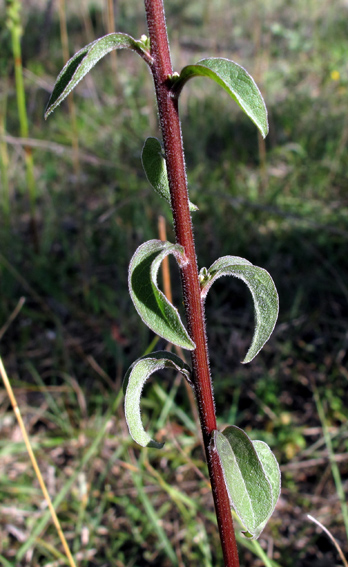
(235, 80)
(263, 291)
(251, 475)
(155, 169)
(83, 61)
(152, 305)
(134, 381)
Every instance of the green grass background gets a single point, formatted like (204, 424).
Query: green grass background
(281, 204)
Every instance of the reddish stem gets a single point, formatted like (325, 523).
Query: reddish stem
(172, 139)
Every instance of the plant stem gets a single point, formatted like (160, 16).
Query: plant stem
(5, 193)
(172, 139)
(110, 26)
(14, 25)
(72, 111)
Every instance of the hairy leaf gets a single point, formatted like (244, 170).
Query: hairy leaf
(155, 168)
(83, 61)
(235, 80)
(263, 291)
(251, 475)
(272, 471)
(152, 305)
(134, 382)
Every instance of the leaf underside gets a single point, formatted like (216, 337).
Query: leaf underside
(155, 169)
(263, 291)
(83, 61)
(235, 80)
(252, 477)
(134, 382)
(151, 304)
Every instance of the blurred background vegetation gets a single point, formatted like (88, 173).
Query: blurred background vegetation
(66, 238)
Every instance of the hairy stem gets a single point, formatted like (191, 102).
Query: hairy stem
(172, 139)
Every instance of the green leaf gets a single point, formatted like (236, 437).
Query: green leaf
(83, 61)
(272, 471)
(263, 291)
(134, 381)
(235, 80)
(155, 168)
(252, 477)
(151, 304)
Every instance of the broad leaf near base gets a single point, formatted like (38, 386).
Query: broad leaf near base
(252, 477)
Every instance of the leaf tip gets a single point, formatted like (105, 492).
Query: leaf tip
(265, 130)
(248, 358)
(193, 208)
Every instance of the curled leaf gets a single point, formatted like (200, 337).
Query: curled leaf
(83, 61)
(134, 381)
(252, 477)
(263, 291)
(235, 80)
(155, 169)
(151, 304)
